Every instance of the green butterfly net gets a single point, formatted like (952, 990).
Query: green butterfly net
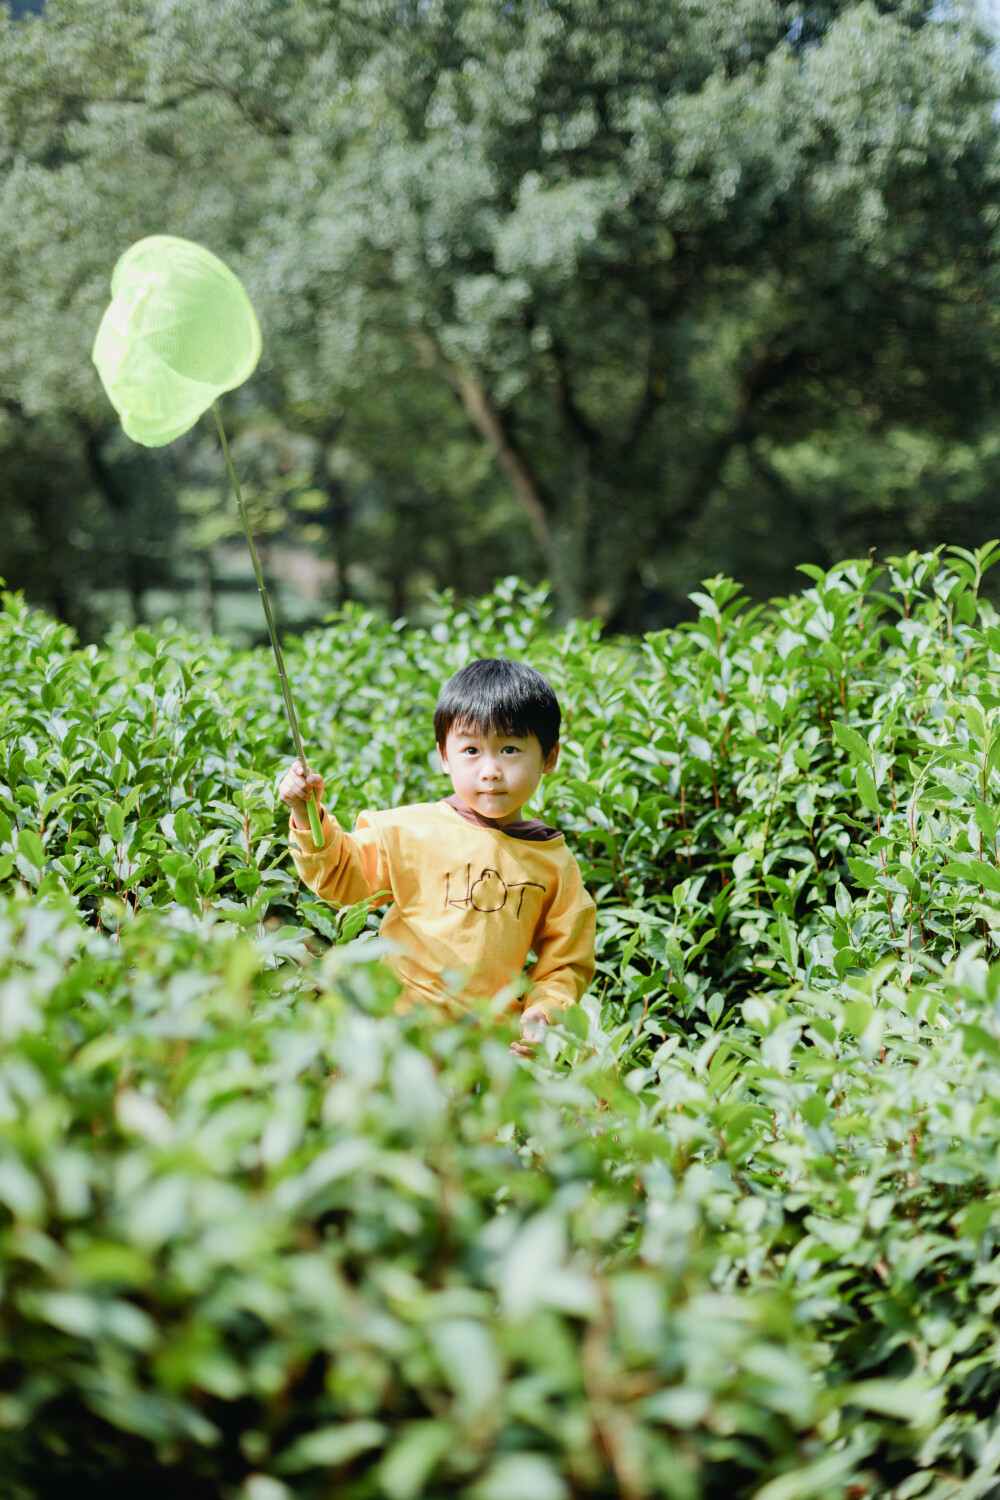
(178, 332)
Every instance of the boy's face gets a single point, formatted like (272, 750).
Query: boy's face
(494, 774)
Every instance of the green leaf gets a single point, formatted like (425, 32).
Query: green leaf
(30, 846)
(916, 1402)
(857, 1014)
(20, 1191)
(975, 1039)
(351, 921)
(321, 917)
(975, 870)
(404, 1471)
(852, 741)
(575, 1020)
(467, 1355)
(814, 1110)
(788, 943)
(247, 881)
(973, 1219)
(520, 1476)
(330, 1447)
(115, 821)
(866, 788)
(973, 715)
(822, 1476)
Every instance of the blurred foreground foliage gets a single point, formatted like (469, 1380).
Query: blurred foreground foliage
(733, 1233)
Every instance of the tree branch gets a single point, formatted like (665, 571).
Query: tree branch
(487, 422)
(253, 114)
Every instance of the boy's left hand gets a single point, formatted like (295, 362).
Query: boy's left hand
(533, 1023)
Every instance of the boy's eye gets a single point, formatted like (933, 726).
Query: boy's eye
(504, 750)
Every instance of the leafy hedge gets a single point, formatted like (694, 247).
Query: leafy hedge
(735, 1234)
(259, 1229)
(763, 797)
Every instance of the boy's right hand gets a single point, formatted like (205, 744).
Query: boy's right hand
(295, 789)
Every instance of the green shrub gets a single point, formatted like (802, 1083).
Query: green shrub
(735, 1234)
(764, 797)
(253, 1223)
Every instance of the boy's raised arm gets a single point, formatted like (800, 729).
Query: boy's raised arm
(348, 867)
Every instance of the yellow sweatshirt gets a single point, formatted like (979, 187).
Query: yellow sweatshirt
(467, 897)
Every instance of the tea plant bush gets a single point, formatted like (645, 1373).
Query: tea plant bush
(734, 1234)
(260, 1235)
(761, 798)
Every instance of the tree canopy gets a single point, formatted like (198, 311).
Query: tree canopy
(609, 292)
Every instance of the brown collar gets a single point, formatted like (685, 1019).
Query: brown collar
(529, 829)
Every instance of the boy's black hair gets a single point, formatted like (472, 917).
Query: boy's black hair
(496, 696)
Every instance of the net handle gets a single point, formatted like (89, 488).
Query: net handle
(311, 808)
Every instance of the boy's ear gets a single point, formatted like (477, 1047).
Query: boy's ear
(443, 759)
(551, 758)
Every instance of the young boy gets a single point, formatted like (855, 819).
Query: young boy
(474, 885)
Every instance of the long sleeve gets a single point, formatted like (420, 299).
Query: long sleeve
(565, 949)
(466, 900)
(348, 868)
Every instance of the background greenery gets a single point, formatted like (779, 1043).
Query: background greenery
(611, 294)
(734, 1234)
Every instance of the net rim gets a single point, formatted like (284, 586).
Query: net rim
(212, 262)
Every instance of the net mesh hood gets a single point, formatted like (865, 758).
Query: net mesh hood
(179, 330)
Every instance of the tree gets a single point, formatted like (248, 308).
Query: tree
(636, 241)
(645, 257)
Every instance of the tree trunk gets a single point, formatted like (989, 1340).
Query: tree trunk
(338, 520)
(398, 599)
(571, 546)
(487, 421)
(106, 482)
